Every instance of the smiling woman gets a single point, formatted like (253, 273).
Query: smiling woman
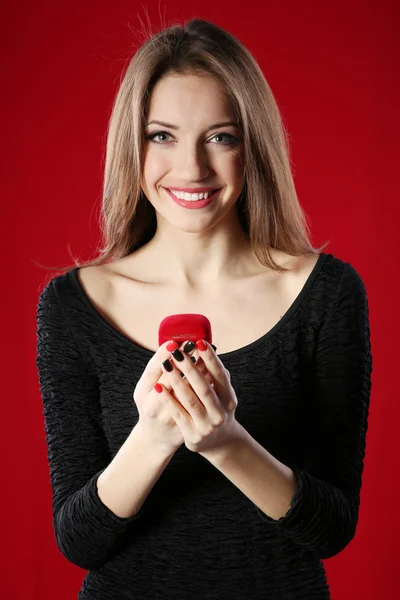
(194, 153)
(221, 129)
(229, 475)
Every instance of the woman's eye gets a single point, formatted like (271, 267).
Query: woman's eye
(151, 136)
(231, 139)
(157, 134)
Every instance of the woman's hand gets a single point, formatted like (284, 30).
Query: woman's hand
(154, 417)
(204, 410)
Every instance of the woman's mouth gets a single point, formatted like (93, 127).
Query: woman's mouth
(189, 200)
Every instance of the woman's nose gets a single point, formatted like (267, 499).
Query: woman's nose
(193, 164)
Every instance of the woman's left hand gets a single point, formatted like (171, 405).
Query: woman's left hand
(204, 412)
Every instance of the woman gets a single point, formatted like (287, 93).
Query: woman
(179, 472)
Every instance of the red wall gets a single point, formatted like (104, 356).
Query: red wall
(332, 67)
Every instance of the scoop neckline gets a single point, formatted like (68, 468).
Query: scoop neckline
(73, 274)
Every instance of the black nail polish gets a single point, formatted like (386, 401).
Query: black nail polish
(193, 359)
(167, 365)
(214, 347)
(182, 374)
(188, 347)
(177, 354)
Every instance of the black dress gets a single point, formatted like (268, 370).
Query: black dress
(303, 392)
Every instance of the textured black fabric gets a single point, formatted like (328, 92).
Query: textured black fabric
(303, 392)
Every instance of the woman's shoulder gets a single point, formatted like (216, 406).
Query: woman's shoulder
(342, 273)
(335, 270)
(64, 293)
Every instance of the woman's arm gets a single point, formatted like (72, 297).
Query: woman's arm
(324, 510)
(95, 502)
(316, 505)
(129, 478)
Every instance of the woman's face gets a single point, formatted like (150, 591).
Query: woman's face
(191, 151)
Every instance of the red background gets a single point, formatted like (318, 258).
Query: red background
(333, 67)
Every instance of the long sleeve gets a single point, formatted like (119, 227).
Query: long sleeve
(323, 514)
(87, 532)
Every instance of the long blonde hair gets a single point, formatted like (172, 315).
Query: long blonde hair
(268, 208)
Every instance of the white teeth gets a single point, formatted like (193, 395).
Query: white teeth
(190, 197)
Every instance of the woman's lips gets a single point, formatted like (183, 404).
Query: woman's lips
(193, 204)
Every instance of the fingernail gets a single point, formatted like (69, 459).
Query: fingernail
(188, 347)
(172, 345)
(201, 345)
(182, 374)
(158, 387)
(167, 365)
(214, 347)
(177, 354)
(193, 359)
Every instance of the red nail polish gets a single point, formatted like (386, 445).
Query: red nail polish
(158, 388)
(172, 345)
(201, 345)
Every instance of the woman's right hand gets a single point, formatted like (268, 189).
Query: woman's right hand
(154, 421)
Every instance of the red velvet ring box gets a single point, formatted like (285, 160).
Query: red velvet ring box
(185, 326)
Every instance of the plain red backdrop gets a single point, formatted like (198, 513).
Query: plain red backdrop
(333, 67)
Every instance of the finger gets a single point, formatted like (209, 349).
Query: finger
(153, 370)
(174, 408)
(201, 387)
(216, 368)
(189, 347)
(200, 364)
(193, 407)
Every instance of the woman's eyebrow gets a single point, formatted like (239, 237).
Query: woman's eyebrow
(223, 124)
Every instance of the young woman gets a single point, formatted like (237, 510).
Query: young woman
(225, 471)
